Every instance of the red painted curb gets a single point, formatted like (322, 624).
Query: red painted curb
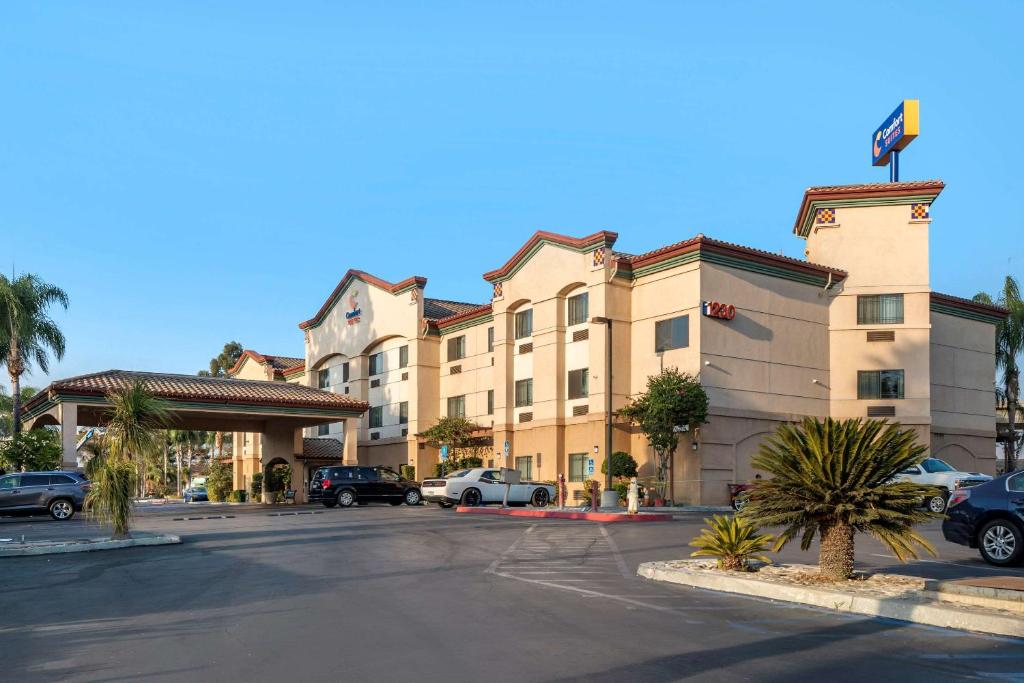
(562, 514)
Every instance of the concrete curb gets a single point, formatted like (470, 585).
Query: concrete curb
(565, 514)
(918, 611)
(61, 547)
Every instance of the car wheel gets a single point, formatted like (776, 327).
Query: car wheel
(540, 498)
(1000, 542)
(937, 504)
(412, 497)
(471, 498)
(346, 498)
(329, 503)
(445, 506)
(62, 509)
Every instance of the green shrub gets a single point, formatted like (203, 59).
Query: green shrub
(453, 465)
(733, 540)
(236, 496)
(407, 472)
(622, 488)
(585, 500)
(219, 481)
(623, 465)
(256, 487)
(36, 450)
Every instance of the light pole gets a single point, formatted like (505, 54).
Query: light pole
(609, 498)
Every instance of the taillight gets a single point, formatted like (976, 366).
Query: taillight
(959, 496)
(85, 486)
(327, 483)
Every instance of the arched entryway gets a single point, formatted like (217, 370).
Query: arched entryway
(277, 478)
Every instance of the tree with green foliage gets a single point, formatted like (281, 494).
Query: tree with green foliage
(219, 367)
(35, 450)
(673, 400)
(1009, 346)
(7, 408)
(219, 481)
(834, 478)
(27, 333)
(624, 465)
(463, 440)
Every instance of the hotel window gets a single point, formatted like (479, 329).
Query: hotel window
(457, 347)
(323, 378)
(578, 307)
(344, 371)
(524, 324)
(880, 309)
(323, 430)
(490, 339)
(403, 413)
(457, 406)
(403, 356)
(377, 363)
(875, 384)
(578, 466)
(578, 383)
(376, 417)
(673, 333)
(524, 393)
(524, 464)
(490, 401)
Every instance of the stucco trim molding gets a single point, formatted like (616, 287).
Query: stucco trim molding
(351, 275)
(603, 238)
(872, 194)
(965, 308)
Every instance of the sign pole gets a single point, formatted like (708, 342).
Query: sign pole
(894, 166)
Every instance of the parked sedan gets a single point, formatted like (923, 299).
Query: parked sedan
(989, 517)
(480, 486)
(59, 493)
(195, 494)
(349, 484)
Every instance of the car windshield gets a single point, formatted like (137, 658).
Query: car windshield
(933, 465)
(460, 473)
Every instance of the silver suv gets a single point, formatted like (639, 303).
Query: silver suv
(59, 493)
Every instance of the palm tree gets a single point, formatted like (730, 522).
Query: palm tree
(835, 478)
(7, 408)
(133, 433)
(27, 334)
(1009, 345)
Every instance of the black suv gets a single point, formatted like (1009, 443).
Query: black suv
(59, 493)
(350, 484)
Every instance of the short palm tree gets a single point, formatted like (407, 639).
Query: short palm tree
(832, 479)
(733, 540)
(134, 431)
(27, 334)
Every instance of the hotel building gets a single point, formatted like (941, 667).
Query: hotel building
(852, 330)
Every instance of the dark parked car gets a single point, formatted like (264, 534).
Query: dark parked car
(59, 493)
(349, 484)
(194, 494)
(989, 517)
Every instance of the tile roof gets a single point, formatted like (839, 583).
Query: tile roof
(880, 187)
(203, 389)
(862, 193)
(322, 448)
(354, 274)
(597, 239)
(988, 310)
(279, 364)
(438, 309)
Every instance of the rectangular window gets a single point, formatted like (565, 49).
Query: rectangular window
(490, 339)
(377, 363)
(344, 371)
(323, 378)
(524, 393)
(578, 307)
(579, 386)
(403, 413)
(490, 401)
(524, 464)
(457, 347)
(673, 333)
(457, 406)
(323, 430)
(578, 466)
(524, 324)
(376, 417)
(403, 356)
(880, 309)
(875, 384)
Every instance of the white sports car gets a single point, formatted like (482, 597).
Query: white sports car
(483, 485)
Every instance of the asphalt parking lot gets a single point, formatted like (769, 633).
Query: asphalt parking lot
(383, 593)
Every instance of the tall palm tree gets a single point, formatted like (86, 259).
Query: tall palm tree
(1009, 346)
(7, 408)
(832, 479)
(27, 334)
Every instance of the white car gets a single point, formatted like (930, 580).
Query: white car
(481, 486)
(935, 472)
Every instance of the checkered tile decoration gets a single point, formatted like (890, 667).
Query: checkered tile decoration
(497, 290)
(826, 216)
(598, 257)
(919, 212)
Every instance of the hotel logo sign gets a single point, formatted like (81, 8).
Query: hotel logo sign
(352, 315)
(897, 131)
(715, 309)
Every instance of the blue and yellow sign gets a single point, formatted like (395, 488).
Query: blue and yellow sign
(896, 132)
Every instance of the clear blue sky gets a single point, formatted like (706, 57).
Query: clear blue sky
(199, 172)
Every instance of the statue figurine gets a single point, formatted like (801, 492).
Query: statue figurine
(633, 497)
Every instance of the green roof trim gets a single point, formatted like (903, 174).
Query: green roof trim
(826, 203)
(968, 314)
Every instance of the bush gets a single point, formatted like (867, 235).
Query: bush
(585, 500)
(453, 465)
(256, 487)
(623, 465)
(622, 488)
(733, 540)
(37, 450)
(219, 481)
(236, 496)
(407, 472)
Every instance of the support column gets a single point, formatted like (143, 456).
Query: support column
(350, 451)
(69, 435)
